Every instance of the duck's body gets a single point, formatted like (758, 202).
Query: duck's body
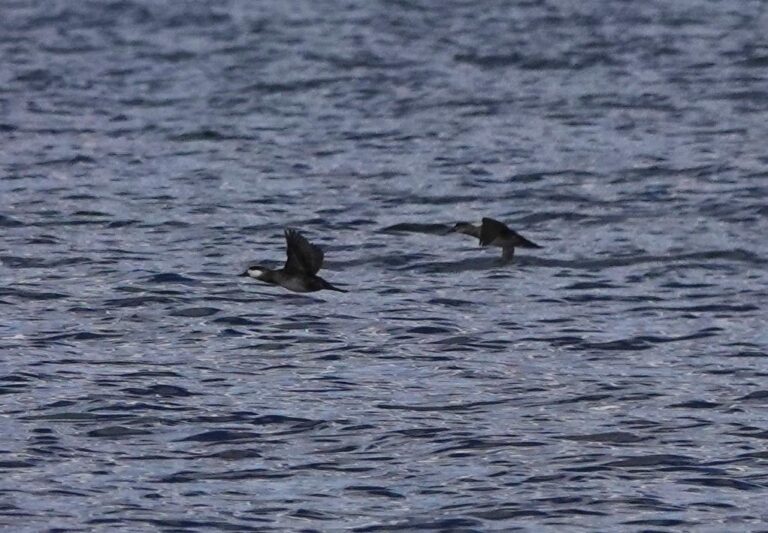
(300, 271)
(494, 233)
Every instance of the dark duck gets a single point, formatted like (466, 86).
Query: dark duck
(300, 271)
(494, 233)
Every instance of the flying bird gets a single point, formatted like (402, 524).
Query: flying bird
(299, 274)
(494, 233)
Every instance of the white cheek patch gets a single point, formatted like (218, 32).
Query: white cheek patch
(255, 272)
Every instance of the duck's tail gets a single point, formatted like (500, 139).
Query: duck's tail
(330, 287)
(525, 243)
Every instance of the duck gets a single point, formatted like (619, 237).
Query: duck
(491, 232)
(299, 274)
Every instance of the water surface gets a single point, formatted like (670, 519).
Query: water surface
(614, 380)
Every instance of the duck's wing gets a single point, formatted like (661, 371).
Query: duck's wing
(507, 253)
(303, 256)
(491, 229)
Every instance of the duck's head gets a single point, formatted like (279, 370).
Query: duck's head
(256, 272)
(462, 227)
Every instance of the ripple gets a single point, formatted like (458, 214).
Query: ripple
(171, 277)
(194, 312)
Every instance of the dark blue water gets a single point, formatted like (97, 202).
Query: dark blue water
(614, 380)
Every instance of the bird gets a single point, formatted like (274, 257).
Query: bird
(494, 233)
(300, 271)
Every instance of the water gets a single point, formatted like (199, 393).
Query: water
(613, 380)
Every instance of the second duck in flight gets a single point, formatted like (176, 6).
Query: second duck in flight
(494, 233)
(300, 271)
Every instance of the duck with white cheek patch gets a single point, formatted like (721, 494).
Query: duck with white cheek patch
(299, 274)
(494, 233)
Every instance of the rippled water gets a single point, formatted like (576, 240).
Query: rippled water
(613, 380)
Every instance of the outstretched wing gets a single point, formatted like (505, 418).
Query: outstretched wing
(491, 229)
(303, 256)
